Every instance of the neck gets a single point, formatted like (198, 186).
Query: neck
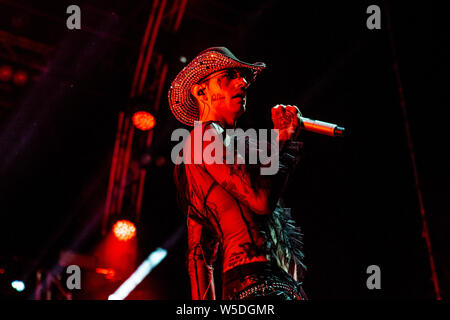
(226, 121)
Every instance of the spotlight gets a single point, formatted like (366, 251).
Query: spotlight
(124, 230)
(5, 73)
(141, 272)
(143, 120)
(18, 285)
(183, 59)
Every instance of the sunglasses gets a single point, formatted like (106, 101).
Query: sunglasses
(231, 74)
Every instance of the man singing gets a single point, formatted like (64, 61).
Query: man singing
(233, 212)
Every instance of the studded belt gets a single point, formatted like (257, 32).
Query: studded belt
(267, 288)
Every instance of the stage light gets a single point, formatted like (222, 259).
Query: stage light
(124, 230)
(183, 59)
(5, 73)
(18, 285)
(143, 120)
(20, 78)
(144, 269)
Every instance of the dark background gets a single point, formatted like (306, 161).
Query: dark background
(354, 198)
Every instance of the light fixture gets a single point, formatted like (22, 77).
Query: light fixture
(124, 230)
(143, 120)
(18, 285)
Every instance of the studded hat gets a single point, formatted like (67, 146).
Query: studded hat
(182, 104)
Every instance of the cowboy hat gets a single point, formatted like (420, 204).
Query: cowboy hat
(182, 104)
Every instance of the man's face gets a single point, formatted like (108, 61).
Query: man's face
(227, 90)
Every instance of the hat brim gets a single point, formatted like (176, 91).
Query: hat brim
(182, 104)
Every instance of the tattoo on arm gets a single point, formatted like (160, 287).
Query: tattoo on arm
(231, 187)
(242, 182)
(250, 249)
(284, 121)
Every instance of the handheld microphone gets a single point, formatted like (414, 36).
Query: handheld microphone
(321, 127)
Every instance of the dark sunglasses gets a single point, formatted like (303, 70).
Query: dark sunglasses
(231, 74)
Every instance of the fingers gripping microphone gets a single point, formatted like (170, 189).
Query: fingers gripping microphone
(321, 127)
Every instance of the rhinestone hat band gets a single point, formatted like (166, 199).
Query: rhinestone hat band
(182, 104)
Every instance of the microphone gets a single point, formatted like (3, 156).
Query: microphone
(321, 127)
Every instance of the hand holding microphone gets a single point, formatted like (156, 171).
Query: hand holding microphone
(289, 120)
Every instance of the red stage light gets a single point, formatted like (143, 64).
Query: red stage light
(20, 78)
(124, 230)
(143, 120)
(5, 73)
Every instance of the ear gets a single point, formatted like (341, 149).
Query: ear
(199, 91)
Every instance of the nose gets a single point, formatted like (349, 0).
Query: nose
(241, 82)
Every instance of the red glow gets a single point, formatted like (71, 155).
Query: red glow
(109, 273)
(20, 78)
(5, 73)
(115, 261)
(143, 120)
(124, 230)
